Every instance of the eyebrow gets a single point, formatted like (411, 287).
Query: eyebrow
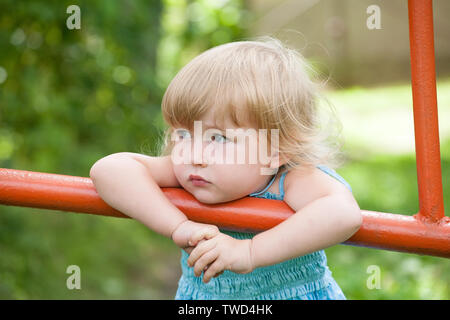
(214, 126)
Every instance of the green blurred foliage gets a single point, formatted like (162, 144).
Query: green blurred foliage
(73, 95)
(70, 97)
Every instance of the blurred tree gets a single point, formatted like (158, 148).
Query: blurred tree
(76, 92)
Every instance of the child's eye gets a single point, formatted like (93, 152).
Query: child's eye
(219, 138)
(182, 134)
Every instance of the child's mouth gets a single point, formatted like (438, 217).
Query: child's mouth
(199, 183)
(197, 180)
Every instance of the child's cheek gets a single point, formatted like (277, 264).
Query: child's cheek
(181, 153)
(232, 152)
(222, 153)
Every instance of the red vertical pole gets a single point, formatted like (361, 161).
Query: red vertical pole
(426, 126)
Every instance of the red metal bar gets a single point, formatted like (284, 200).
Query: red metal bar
(426, 125)
(77, 194)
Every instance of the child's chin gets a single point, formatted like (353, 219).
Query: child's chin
(201, 196)
(208, 199)
(215, 200)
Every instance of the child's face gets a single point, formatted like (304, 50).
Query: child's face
(207, 152)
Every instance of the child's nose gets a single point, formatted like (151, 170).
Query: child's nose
(199, 154)
(203, 165)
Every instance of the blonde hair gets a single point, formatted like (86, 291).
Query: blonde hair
(262, 82)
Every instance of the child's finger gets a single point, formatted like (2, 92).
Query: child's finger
(216, 268)
(199, 250)
(190, 248)
(204, 233)
(218, 274)
(204, 261)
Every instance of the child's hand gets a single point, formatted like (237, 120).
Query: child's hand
(190, 229)
(220, 253)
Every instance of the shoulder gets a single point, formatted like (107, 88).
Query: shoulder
(305, 185)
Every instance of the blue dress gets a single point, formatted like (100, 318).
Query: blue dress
(302, 278)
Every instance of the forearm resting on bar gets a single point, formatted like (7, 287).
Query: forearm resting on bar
(127, 185)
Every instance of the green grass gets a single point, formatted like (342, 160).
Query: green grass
(121, 259)
(380, 120)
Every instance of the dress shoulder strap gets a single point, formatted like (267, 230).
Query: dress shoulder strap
(281, 184)
(335, 175)
(264, 190)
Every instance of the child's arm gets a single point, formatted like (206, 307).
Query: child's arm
(326, 214)
(131, 183)
(324, 222)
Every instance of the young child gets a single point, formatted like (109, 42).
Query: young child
(257, 86)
